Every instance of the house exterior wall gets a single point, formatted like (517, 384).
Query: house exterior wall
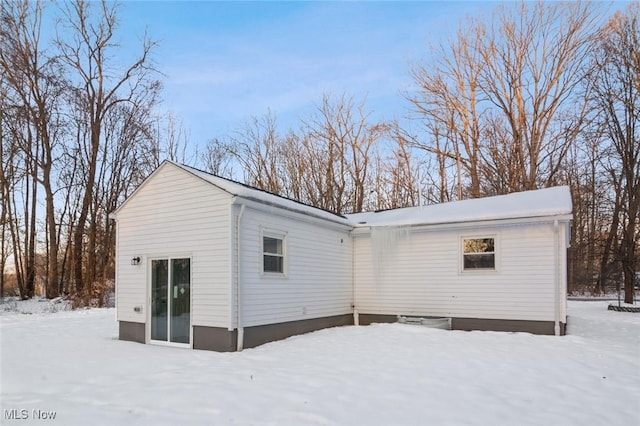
(175, 214)
(419, 272)
(331, 269)
(317, 282)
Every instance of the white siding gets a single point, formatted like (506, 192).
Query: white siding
(176, 214)
(421, 274)
(329, 268)
(318, 281)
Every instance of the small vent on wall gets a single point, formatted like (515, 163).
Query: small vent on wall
(431, 322)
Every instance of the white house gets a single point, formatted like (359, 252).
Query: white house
(208, 263)
(496, 263)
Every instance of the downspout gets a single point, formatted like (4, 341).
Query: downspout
(556, 279)
(239, 325)
(356, 318)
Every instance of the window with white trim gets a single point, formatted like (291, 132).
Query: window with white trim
(479, 253)
(273, 253)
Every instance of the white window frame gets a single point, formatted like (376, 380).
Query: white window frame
(282, 236)
(496, 254)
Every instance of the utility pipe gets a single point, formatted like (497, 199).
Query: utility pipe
(556, 278)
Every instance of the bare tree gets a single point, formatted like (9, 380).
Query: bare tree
(395, 183)
(534, 57)
(6, 188)
(100, 89)
(168, 140)
(328, 163)
(499, 99)
(217, 158)
(257, 147)
(34, 85)
(340, 141)
(13, 177)
(594, 212)
(450, 102)
(615, 95)
(75, 130)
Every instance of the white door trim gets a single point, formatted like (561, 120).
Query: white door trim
(149, 263)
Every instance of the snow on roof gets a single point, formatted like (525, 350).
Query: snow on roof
(542, 202)
(537, 203)
(255, 194)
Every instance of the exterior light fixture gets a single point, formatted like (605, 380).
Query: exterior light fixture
(135, 261)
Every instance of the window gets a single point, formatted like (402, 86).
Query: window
(273, 254)
(478, 254)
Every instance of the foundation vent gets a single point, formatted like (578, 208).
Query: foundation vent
(431, 322)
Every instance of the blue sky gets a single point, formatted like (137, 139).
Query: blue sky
(225, 62)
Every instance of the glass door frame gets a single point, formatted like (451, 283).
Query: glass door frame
(168, 258)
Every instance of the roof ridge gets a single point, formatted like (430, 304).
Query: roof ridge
(253, 188)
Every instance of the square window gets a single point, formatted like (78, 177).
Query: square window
(478, 254)
(272, 254)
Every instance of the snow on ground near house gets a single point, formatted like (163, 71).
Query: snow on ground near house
(70, 363)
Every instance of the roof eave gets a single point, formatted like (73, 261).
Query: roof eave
(255, 202)
(366, 227)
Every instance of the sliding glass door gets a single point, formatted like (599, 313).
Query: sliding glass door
(159, 299)
(171, 300)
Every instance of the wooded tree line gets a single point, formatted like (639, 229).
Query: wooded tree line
(77, 131)
(542, 94)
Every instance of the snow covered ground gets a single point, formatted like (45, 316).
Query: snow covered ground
(70, 364)
(36, 305)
